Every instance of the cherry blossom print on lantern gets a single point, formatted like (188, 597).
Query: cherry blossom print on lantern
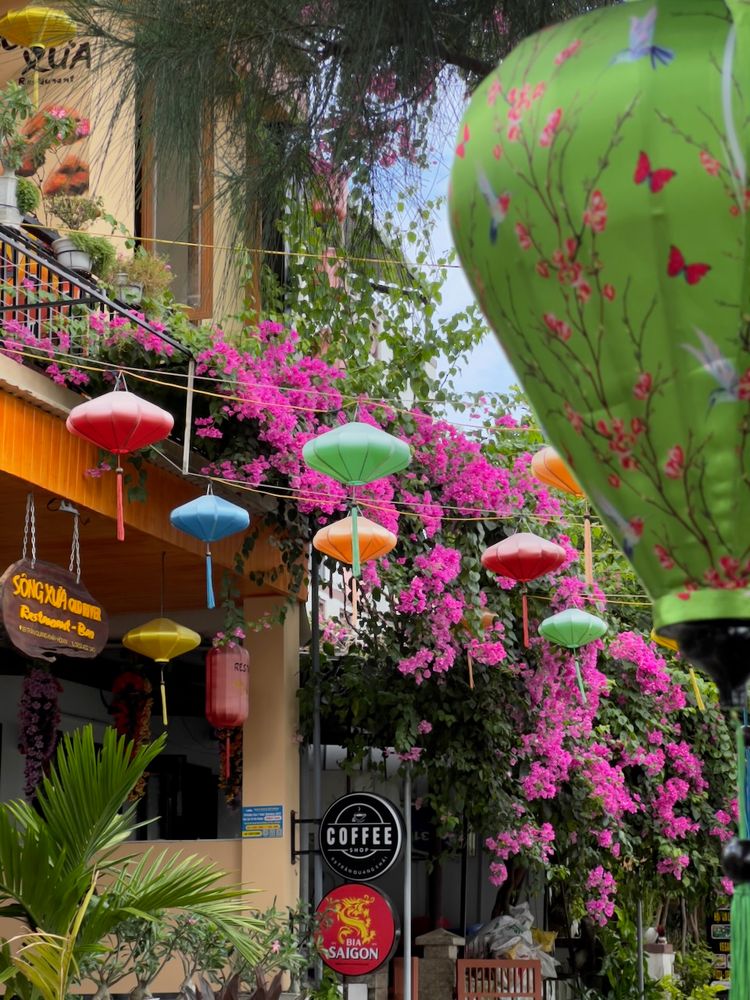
(622, 308)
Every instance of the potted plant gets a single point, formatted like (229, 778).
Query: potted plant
(142, 275)
(75, 211)
(22, 145)
(15, 107)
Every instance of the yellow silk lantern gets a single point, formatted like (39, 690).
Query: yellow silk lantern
(672, 646)
(353, 541)
(37, 28)
(161, 640)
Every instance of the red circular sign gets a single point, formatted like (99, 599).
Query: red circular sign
(357, 932)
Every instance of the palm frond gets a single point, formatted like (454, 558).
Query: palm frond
(81, 798)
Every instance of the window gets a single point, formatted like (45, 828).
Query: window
(177, 205)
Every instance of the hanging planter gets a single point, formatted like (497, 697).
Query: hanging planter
(9, 214)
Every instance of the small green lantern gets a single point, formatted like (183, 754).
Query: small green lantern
(572, 629)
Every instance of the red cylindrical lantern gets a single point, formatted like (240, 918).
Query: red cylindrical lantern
(227, 689)
(523, 557)
(227, 686)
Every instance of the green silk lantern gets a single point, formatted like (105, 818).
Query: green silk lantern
(572, 629)
(600, 208)
(356, 454)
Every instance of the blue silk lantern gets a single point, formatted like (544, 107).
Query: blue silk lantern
(209, 518)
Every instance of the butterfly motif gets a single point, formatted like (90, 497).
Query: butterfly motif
(676, 266)
(461, 147)
(641, 43)
(657, 179)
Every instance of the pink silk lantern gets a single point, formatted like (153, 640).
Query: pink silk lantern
(227, 689)
(119, 422)
(523, 557)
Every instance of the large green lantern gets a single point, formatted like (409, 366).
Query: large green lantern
(356, 454)
(600, 208)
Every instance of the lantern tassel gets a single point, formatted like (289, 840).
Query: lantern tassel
(163, 689)
(697, 691)
(740, 922)
(588, 554)
(355, 595)
(471, 670)
(355, 542)
(120, 508)
(525, 614)
(579, 679)
(227, 767)
(210, 601)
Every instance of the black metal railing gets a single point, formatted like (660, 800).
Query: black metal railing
(37, 292)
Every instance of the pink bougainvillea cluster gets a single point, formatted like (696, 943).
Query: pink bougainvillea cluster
(630, 776)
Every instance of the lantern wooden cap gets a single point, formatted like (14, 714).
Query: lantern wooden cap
(523, 556)
(161, 640)
(335, 540)
(550, 469)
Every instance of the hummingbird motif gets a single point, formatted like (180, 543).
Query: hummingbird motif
(641, 43)
(629, 531)
(718, 367)
(497, 204)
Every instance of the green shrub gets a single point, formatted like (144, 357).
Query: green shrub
(27, 196)
(99, 249)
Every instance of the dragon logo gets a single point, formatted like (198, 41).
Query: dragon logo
(354, 916)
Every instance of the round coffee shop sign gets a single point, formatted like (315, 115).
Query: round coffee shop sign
(361, 836)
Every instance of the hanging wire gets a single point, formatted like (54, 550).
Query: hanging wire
(29, 528)
(75, 549)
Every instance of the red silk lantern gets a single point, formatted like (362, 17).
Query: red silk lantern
(119, 422)
(523, 557)
(227, 689)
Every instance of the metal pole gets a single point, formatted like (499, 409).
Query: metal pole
(464, 874)
(316, 748)
(407, 883)
(188, 417)
(639, 943)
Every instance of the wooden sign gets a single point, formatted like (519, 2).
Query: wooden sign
(47, 614)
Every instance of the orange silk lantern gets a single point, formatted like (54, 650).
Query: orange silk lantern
(487, 621)
(523, 557)
(550, 469)
(227, 689)
(336, 540)
(353, 541)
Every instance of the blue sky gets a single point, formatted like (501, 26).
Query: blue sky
(487, 367)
